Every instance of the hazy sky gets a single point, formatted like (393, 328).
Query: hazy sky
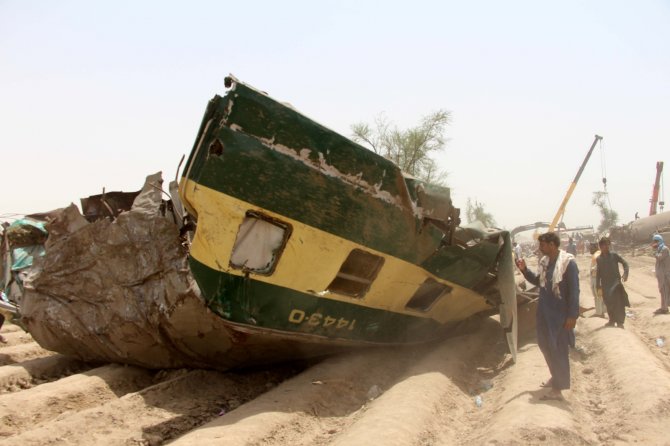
(100, 94)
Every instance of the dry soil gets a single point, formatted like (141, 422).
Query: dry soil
(409, 396)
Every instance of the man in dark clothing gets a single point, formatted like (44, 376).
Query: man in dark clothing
(608, 279)
(557, 310)
(662, 254)
(572, 247)
(2, 321)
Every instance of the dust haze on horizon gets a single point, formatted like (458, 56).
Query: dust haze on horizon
(99, 95)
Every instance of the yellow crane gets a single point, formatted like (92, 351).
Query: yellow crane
(561, 209)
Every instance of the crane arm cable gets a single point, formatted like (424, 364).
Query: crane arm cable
(603, 171)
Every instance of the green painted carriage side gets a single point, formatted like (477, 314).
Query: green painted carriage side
(243, 166)
(264, 153)
(253, 303)
(251, 172)
(469, 267)
(260, 115)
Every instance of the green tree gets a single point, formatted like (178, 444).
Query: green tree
(609, 217)
(413, 149)
(474, 211)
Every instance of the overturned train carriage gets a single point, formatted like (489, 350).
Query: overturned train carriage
(301, 233)
(299, 243)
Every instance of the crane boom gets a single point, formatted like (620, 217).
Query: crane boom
(561, 209)
(657, 186)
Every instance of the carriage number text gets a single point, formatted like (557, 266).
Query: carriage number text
(316, 319)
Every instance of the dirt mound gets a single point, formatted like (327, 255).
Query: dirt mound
(464, 390)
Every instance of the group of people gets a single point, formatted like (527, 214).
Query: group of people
(558, 303)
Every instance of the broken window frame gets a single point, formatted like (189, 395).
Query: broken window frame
(364, 281)
(286, 227)
(425, 291)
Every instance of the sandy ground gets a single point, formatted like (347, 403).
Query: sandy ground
(410, 396)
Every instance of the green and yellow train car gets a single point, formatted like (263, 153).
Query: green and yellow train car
(303, 236)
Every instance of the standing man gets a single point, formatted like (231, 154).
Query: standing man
(601, 309)
(2, 321)
(608, 280)
(572, 248)
(557, 310)
(662, 272)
